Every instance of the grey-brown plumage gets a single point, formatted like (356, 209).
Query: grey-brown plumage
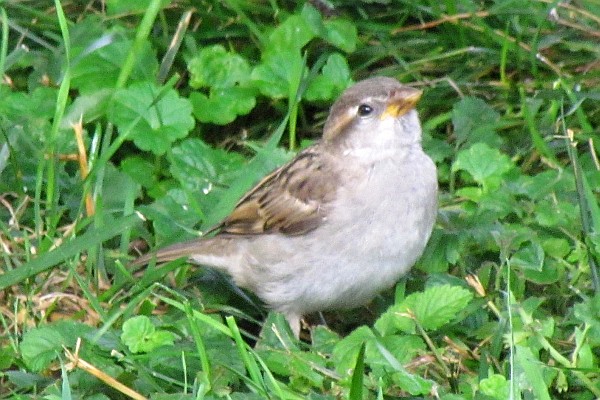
(341, 221)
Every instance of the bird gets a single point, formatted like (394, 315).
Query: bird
(343, 220)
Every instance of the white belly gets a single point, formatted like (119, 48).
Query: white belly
(374, 235)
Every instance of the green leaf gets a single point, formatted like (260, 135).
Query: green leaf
(140, 336)
(226, 73)
(412, 383)
(216, 67)
(171, 216)
(438, 305)
(495, 386)
(588, 311)
(346, 350)
(441, 251)
(332, 81)
(7, 357)
(551, 272)
(556, 247)
(87, 107)
(486, 165)
(140, 170)
(553, 214)
(530, 256)
(433, 308)
(41, 346)
(153, 118)
(223, 105)
(313, 18)
(99, 63)
(275, 75)
(532, 369)
(38, 104)
(201, 168)
(289, 37)
(475, 121)
(341, 33)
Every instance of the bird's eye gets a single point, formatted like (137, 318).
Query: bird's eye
(364, 110)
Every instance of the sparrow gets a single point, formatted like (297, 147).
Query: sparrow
(340, 222)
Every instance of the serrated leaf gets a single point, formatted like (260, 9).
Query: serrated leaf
(441, 251)
(341, 33)
(201, 168)
(162, 116)
(486, 165)
(433, 308)
(438, 305)
(216, 67)
(224, 105)
(41, 346)
(346, 350)
(332, 81)
(140, 336)
(475, 121)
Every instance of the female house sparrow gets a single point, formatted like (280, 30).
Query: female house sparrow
(343, 220)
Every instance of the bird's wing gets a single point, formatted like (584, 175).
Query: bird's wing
(291, 200)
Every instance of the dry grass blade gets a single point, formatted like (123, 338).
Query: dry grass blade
(76, 362)
(443, 20)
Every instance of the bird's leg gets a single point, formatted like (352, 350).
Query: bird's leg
(293, 320)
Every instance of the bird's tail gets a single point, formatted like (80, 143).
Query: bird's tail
(173, 252)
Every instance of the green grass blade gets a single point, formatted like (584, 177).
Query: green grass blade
(204, 361)
(73, 247)
(61, 103)
(357, 385)
(141, 34)
(249, 361)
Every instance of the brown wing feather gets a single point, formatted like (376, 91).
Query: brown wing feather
(290, 200)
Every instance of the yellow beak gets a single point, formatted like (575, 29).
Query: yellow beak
(399, 104)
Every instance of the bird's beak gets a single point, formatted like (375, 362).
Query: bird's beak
(401, 102)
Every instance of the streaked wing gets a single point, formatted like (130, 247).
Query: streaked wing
(290, 200)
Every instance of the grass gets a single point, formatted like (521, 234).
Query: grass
(125, 128)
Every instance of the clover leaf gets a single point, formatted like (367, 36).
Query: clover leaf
(216, 67)
(333, 79)
(222, 106)
(153, 118)
(140, 336)
(274, 77)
